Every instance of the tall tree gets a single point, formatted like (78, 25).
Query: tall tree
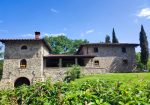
(114, 38)
(144, 47)
(107, 39)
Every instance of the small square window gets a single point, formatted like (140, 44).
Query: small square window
(96, 63)
(125, 61)
(124, 50)
(95, 49)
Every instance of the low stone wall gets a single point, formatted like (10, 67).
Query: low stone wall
(56, 74)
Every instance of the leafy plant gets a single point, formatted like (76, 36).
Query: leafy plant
(73, 73)
(104, 89)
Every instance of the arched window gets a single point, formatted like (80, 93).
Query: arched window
(23, 64)
(24, 47)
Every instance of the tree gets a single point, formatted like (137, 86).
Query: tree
(107, 39)
(114, 38)
(63, 45)
(140, 66)
(144, 47)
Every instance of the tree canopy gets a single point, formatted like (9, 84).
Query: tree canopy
(63, 45)
(114, 38)
(144, 46)
(107, 39)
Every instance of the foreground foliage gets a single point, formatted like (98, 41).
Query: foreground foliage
(140, 66)
(105, 89)
(73, 73)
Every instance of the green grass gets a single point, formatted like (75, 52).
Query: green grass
(122, 77)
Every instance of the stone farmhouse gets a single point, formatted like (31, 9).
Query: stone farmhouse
(30, 60)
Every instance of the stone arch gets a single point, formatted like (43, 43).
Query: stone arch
(20, 81)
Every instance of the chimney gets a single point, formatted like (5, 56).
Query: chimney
(37, 35)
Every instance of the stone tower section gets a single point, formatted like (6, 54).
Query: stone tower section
(23, 60)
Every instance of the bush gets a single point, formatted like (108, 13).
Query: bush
(87, 92)
(73, 73)
(140, 66)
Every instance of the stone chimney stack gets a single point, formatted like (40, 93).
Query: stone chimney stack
(37, 35)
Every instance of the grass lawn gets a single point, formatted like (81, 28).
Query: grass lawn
(122, 77)
(119, 76)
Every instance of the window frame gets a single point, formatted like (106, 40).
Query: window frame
(96, 63)
(124, 50)
(95, 49)
(125, 61)
(23, 64)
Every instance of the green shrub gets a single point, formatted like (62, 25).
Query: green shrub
(73, 73)
(84, 91)
(140, 66)
(148, 65)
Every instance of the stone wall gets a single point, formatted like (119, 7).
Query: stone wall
(34, 57)
(55, 74)
(111, 58)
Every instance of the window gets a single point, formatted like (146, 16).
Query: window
(95, 49)
(125, 61)
(23, 64)
(24, 47)
(124, 50)
(96, 63)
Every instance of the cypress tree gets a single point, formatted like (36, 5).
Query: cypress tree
(107, 39)
(114, 38)
(144, 47)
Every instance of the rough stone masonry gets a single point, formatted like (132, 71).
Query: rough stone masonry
(27, 61)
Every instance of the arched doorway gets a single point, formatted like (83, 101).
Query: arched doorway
(20, 81)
